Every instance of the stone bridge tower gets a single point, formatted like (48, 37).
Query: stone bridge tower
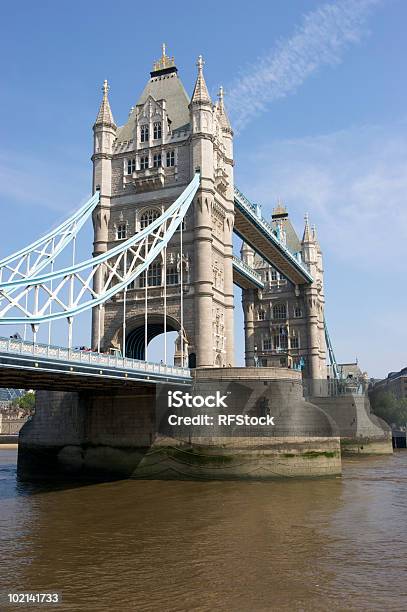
(140, 169)
(284, 323)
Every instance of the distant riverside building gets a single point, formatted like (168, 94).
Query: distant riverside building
(396, 383)
(284, 323)
(7, 396)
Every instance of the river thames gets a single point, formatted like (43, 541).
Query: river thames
(329, 544)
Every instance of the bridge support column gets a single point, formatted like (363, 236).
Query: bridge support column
(314, 373)
(203, 282)
(248, 310)
(228, 289)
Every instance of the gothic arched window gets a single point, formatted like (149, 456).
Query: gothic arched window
(157, 160)
(121, 231)
(148, 217)
(157, 130)
(154, 274)
(131, 166)
(294, 340)
(170, 158)
(262, 315)
(144, 133)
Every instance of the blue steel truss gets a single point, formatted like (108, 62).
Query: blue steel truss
(30, 260)
(332, 358)
(72, 290)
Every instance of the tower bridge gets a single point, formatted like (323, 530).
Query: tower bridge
(164, 209)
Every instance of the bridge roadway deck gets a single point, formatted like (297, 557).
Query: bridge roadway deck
(24, 365)
(244, 276)
(259, 234)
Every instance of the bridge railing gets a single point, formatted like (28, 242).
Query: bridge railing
(239, 263)
(46, 351)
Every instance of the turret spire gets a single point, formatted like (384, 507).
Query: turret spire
(224, 119)
(315, 236)
(105, 115)
(307, 232)
(201, 94)
(220, 96)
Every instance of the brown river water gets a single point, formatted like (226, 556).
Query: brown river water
(332, 544)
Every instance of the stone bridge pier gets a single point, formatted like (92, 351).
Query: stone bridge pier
(112, 434)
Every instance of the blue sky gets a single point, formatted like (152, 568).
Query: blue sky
(317, 93)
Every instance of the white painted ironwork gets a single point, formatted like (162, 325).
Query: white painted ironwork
(32, 259)
(71, 290)
(57, 353)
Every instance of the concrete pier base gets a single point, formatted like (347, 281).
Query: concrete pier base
(94, 436)
(361, 432)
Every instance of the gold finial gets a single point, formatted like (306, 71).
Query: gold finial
(164, 61)
(279, 208)
(105, 87)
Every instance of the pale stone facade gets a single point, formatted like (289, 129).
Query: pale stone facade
(140, 169)
(284, 324)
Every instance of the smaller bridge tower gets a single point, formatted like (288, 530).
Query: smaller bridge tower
(284, 323)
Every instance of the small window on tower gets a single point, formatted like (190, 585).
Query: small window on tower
(121, 231)
(262, 315)
(157, 160)
(157, 130)
(170, 159)
(144, 163)
(172, 276)
(297, 312)
(131, 166)
(273, 273)
(144, 133)
(154, 275)
(267, 344)
(295, 341)
(279, 311)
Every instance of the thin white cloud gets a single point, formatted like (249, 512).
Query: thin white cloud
(323, 37)
(352, 182)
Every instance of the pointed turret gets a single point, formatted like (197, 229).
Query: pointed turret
(247, 254)
(224, 119)
(315, 237)
(201, 94)
(105, 116)
(307, 231)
